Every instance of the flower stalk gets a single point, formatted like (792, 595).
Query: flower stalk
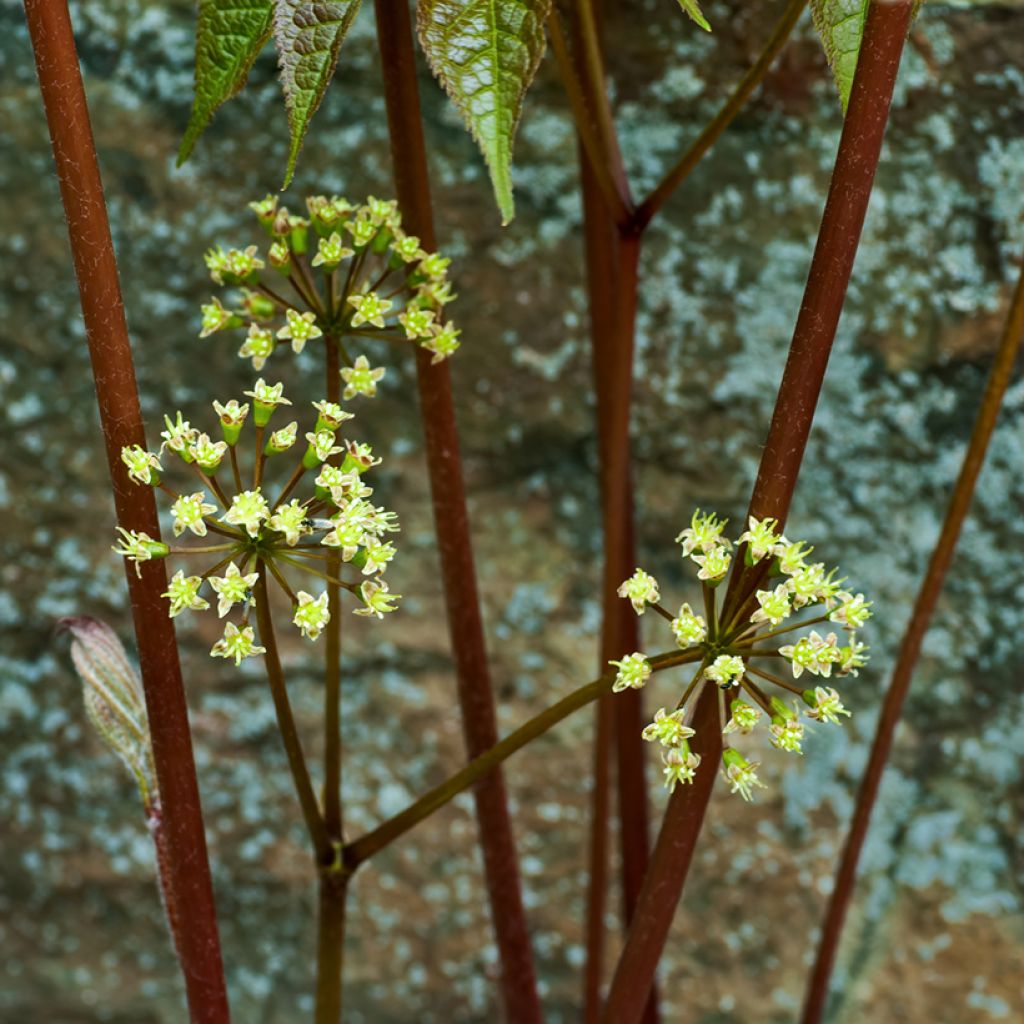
(845, 208)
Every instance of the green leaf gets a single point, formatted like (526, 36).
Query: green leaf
(692, 8)
(485, 53)
(308, 38)
(229, 35)
(840, 23)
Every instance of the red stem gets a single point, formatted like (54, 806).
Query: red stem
(849, 191)
(924, 607)
(454, 541)
(184, 843)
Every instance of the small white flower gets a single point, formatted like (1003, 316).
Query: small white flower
(741, 774)
(237, 643)
(138, 547)
(370, 308)
(714, 564)
(331, 251)
(141, 464)
(417, 322)
(299, 328)
(248, 509)
(259, 346)
(725, 671)
(443, 342)
(206, 453)
(360, 378)
(774, 605)
(853, 612)
(787, 734)
(689, 628)
(378, 600)
(743, 719)
(232, 588)
(183, 593)
(641, 589)
(703, 534)
(668, 729)
(311, 614)
(189, 511)
(179, 434)
(761, 537)
(290, 520)
(634, 671)
(825, 705)
(680, 767)
(322, 446)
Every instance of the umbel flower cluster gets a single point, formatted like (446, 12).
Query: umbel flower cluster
(248, 527)
(742, 642)
(345, 272)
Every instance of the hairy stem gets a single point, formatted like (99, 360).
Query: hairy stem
(451, 518)
(849, 191)
(910, 649)
(183, 842)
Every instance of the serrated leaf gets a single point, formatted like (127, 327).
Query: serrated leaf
(308, 38)
(692, 8)
(229, 36)
(485, 53)
(840, 24)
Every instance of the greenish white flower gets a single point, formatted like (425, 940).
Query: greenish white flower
(289, 520)
(267, 398)
(299, 328)
(249, 510)
(179, 435)
(774, 605)
(141, 464)
(231, 414)
(370, 308)
(417, 322)
(322, 446)
(377, 599)
(434, 265)
(787, 734)
(311, 614)
(331, 251)
(743, 719)
(137, 546)
(259, 346)
(680, 767)
(689, 628)
(853, 612)
(714, 564)
(442, 342)
(237, 643)
(641, 589)
(668, 728)
(189, 511)
(379, 554)
(360, 378)
(633, 671)
(216, 318)
(761, 538)
(792, 556)
(725, 671)
(183, 594)
(408, 249)
(283, 439)
(741, 774)
(330, 415)
(703, 534)
(824, 704)
(359, 456)
(207, 454)
(232, 588)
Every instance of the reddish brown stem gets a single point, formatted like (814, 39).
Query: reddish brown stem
(401, 96)
(910, 650)
(78, 173)
(849, 191)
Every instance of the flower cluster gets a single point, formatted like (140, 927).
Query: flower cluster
(347, 272)
(735, 647)
(259, 530)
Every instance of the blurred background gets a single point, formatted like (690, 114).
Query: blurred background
(936, 933)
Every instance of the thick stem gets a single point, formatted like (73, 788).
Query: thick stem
(733, 105)
(924, 608)
(386, 833)
(330, 948)
(323, 849)
(849, 191)
(437, 409)
(184, 842)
